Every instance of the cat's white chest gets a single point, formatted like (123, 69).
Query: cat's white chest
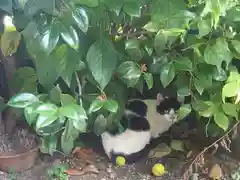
(158, 123)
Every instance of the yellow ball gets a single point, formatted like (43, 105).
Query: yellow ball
(158, 169)
(120, 161)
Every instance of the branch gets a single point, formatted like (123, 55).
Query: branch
(79, 88)
(133, 34)
(207, 148)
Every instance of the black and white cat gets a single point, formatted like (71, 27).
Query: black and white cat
(160, 112)
(146, 120)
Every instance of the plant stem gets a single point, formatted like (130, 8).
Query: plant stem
(79, 89)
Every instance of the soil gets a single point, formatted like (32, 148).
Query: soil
(140, 171)
(20, 141)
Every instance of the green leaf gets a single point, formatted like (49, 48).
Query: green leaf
(6, 5)
(233, 14)
(102, 61)
(162, 10)
(184, 111)
(115, 6)
(219, 74)
(73, 111)
(9, 42)
(81, 19)
(49, 144)
(129, 72)
(217, 53)
(167, 74)
(96, 105)
(132, 46)
(202, 80)
(32, 7)
(110, 105)
(204, 27)
(89, 3)
(45, 119)
(236, 45)
(30, 114)
(183, 64)
(68, 137)
(24, 80)
(221, 120)
(213, 7)
(149, 80)
(66, 100)
(49, 36)
(233, 77)
(70, 36)
(160, 151)
(177, 145)
(160, 42)
(205, 108)
(46, 108)
(132, 9)
(100, 125)
(22, 100)
(80, 124)
(55, 95)
(229, 90)
(230, 109)
(65, 68)
(152, 26)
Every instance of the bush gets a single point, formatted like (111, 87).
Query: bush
(88, 53)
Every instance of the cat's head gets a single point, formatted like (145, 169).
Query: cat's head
(168, 106)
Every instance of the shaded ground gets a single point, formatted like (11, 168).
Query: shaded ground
(140, 171)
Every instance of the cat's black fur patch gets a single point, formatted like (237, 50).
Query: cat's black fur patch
(138, 124)
(132, 158)
(138, 107)
(167, 104)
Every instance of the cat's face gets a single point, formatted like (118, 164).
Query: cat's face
(168, 106)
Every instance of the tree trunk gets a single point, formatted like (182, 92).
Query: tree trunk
(10, 116)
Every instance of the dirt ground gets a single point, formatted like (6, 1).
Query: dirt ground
(140, 171)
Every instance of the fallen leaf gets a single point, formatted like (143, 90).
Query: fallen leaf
(74, 172)
(80, 150)
(177, 145)
(215, 172)
(160, 151)
(87, 169)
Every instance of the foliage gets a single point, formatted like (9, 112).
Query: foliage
(58, 172)
(98, 49)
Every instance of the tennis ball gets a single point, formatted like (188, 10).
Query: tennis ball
(120, 161)
(158, 169)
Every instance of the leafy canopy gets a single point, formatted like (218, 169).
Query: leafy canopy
(100, 48)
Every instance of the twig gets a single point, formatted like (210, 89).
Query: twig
(207, 148)
(133, 34)
(79, 89)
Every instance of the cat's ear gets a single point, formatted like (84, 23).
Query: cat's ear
(160, 98)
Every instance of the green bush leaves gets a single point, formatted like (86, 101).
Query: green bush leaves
(22, 100)
(167, 74)
(92, 47)
(102, 61)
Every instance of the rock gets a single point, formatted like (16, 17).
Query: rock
(216, 172)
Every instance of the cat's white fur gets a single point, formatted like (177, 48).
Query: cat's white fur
(128, 142)
(158, 123)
